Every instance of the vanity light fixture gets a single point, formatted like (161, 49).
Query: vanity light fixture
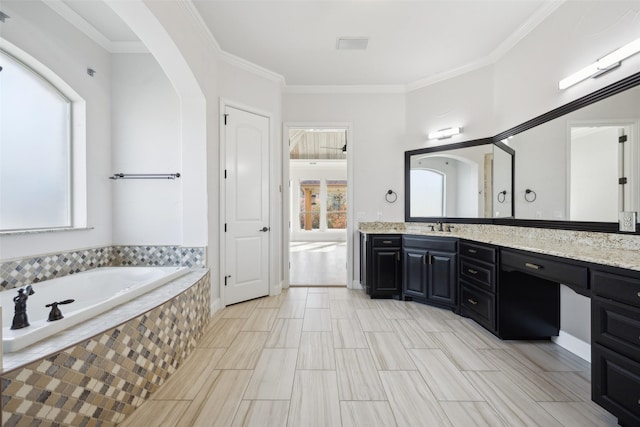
(445, 133)
(602, 65)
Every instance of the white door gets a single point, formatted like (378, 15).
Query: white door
(247, 206)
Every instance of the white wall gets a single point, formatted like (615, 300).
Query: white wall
(377, 143)
(574, 36)
(465, 101)
(43, 34)
(145, 113)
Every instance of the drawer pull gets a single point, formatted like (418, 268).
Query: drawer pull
(387, 242)
(472, 301)
(472, 271)
(534, 266)
(472, 251)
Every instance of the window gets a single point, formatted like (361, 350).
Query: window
(336, 204)
(35, 150)
(309, 206)
(427, 193)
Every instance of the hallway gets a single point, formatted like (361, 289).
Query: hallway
(318, 264)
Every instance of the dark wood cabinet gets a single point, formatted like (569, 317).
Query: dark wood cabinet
(381, 265)
(615, 348)
(443, 281)
(478, 264)
(415, 273)
(429, 272)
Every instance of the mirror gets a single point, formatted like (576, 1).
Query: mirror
(576, 166)
(468, 180)
(572, 164)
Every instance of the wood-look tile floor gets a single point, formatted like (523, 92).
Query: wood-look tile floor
(318, 264)
(333, 357)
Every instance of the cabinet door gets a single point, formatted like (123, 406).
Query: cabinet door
(386, 271)
(414, 273)
(442, 277)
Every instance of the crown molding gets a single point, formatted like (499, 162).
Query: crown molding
(203, 30)
(90, 31)
(79, 22)
(529, 25)
(227, 57)
(509, 43)
(337, 89)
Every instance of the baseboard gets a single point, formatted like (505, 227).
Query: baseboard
(277, 290)
(216, 304)
(574, 345)
(356, 285)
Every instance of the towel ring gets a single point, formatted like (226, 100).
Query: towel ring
(503, 193)
(391, 196)
(530, 198)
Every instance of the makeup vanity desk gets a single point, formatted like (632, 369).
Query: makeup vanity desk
(507, 280)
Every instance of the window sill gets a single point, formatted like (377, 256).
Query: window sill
(42, 230)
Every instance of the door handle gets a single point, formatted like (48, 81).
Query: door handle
(264, 229)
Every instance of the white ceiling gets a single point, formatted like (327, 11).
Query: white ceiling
(411, 43)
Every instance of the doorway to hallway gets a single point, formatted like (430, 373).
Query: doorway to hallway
(318, 192)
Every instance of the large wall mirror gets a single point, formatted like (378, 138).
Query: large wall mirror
(469, 180)
(575, 167)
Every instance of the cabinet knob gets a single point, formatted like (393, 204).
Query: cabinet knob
(638, 294)
(472, 301)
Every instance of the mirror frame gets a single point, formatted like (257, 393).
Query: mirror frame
(439, 148)
(603, 227)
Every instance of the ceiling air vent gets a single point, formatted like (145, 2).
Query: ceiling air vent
(352, 43)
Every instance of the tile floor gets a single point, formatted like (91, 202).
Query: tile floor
(318, 264)
(333, 357)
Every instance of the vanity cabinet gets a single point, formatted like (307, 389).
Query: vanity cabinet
(429, 270)
(478, 283)
(615, 348)
(381, 264)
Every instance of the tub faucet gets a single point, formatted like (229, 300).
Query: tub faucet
(20, 316)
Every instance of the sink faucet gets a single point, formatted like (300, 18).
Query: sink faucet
(439, 223)
(20, 316)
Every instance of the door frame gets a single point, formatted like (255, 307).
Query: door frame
(286, 218)
(274, 182)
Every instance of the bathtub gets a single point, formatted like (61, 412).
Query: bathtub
(94, 291)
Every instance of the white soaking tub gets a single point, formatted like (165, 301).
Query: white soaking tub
(94, 291)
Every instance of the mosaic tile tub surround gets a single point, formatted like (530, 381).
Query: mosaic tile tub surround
(25, 271)
(101, 380)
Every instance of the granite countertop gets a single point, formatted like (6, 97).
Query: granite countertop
(597, 248)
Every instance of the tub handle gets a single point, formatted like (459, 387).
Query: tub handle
(55, 313)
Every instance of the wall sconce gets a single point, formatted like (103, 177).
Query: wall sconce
(602, 65)
(445, 133)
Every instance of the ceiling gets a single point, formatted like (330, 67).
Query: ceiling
(410, 42)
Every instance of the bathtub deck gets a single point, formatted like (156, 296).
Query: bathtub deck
(332, 357)
(101, 322)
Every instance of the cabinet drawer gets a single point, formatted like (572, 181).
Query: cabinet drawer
(620, 288)
(616, 326)
(478, 305)
(616, 384)
(556, 271)
(483, 253)
(386, 241)
(434, 243)
(481, 274)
